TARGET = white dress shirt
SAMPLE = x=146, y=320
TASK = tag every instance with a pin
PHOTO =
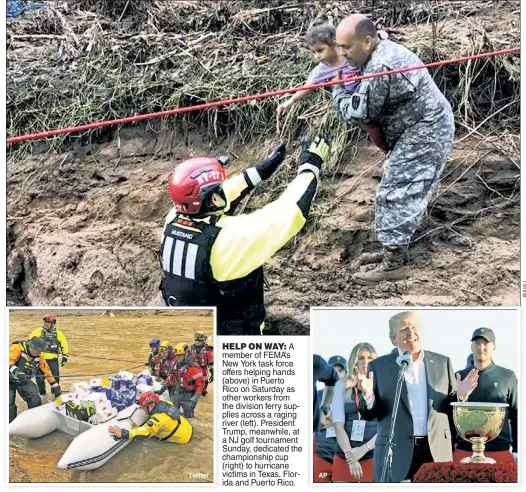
x=416, y=382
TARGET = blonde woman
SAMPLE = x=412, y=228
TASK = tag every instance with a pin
x=355, y=437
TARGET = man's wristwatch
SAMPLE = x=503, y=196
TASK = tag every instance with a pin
x=324, y=409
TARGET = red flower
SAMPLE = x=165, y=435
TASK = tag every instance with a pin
x=498, y=476
x=482, y=476
x=466, y=473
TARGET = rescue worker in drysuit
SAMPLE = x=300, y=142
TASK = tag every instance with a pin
x=203, y=354
x=209, y=256
x=185, y=383
x=24, y=359
x=163, y=361
x=154, y=351
x=167, y=369
x=164, y=422
x=56, y=343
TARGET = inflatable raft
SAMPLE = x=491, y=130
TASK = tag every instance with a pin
x=92, y=445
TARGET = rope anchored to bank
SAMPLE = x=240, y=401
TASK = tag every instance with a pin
x=102, y=358
x=237, y=100
x=31, y=376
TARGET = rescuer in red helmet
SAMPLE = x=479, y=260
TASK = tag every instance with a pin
x=209, y=256
x=164, y=422
x=56, y=344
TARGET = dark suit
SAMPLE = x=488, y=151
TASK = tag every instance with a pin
x=441, y=390
x=326, y=374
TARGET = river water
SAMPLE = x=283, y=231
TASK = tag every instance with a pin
x=123, y=339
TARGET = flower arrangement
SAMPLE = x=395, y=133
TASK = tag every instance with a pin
x=466, y=473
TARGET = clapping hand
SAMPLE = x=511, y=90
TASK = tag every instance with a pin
x=325, y=420
x=467, y=385
x=365, y=383
x=355, y=378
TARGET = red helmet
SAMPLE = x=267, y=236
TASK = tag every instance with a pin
x=193, y=180
x=49, y=318
x=147, y=398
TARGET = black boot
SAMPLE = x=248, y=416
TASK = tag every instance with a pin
x=392, y=268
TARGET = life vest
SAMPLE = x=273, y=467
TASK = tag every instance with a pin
x=151, y=360
x=199, y=355
x=164, y=407
x=78, y=412
x=183, y=377
x=51, y=339
x=188, y=279
x=26, y=362
x=182, y=430
x=163, y=366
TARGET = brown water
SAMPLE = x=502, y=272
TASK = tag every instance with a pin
x=123, y=337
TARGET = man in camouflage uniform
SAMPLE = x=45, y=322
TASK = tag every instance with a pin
x=417, y=123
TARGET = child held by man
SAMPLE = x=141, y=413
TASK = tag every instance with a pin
x=321, y=40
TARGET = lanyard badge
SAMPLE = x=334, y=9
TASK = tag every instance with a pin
x=358, y=426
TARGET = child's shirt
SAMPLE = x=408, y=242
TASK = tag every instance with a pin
x=323, y=72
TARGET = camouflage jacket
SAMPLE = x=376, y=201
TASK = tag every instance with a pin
x=397, y=102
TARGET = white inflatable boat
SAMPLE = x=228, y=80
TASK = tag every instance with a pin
x=92, y=445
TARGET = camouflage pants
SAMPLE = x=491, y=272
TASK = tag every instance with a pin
x=409, y=182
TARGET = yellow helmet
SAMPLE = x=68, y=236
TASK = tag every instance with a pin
x=165, y=344
x=184, y=346
x=179, y=349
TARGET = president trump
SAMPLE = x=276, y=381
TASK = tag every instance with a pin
x=423, y=425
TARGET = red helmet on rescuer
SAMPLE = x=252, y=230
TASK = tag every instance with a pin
x=193, y=182
x=147, y=398
x=49, y=318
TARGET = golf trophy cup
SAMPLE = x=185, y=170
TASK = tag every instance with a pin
x=479, y=423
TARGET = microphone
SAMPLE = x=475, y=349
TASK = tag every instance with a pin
x=403, y=361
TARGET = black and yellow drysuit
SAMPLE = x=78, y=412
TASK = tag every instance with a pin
x=22, y=367
x=217, y=260
x=56, y=343
x=165, y=423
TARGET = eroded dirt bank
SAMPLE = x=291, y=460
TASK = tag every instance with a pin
x=85, y=216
